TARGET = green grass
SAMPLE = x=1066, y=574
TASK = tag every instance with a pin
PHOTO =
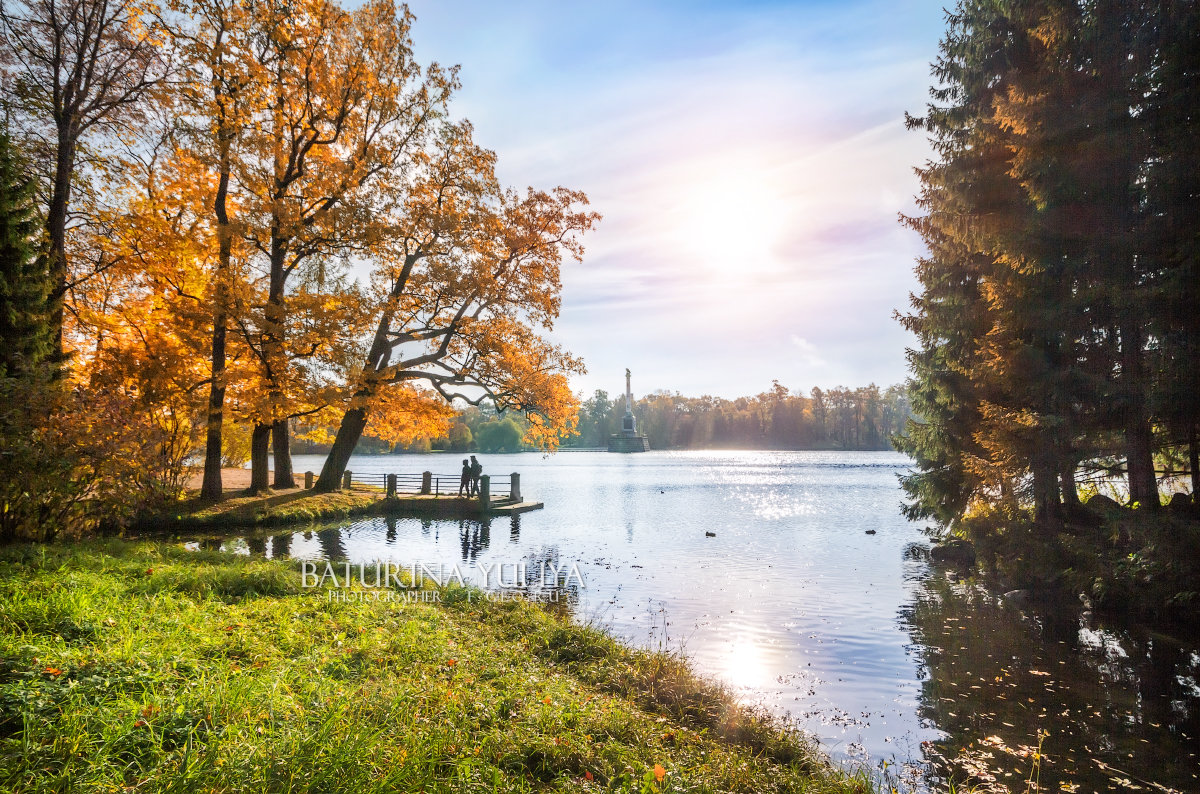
x=146, y=667
x=270, y=509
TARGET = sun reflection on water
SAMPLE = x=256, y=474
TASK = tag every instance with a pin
x=746, y=665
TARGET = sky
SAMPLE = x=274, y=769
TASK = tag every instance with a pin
x=750, y=160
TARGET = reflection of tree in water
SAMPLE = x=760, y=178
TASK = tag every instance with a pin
x=257, y=545
x=331, y=544
x=1116, y=706
x=281, y=546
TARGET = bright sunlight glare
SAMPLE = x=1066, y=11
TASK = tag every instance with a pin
x=727, y=217
x=745, y=665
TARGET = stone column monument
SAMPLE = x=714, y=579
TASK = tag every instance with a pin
x=628, y=440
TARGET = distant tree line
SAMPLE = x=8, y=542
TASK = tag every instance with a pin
x=866, y=418
x=840, y=418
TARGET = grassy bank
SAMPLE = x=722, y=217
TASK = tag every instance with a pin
x=293, y=506
x=146, y=667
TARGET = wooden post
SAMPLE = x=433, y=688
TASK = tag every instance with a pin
x=308, y=479
x=516, y=487
x=485, y=491
x=391, y=486
x=346, y=480
x=426, y=482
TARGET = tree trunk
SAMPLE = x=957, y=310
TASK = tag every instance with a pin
x=1070, y=493
x=348, y=434
x=1047, y=509
x=1143, y=486
x=211, y=489
x=260, y=445
x=281, y=447
x=355, y=420
x=56, y=234
x=275, y=355
x=1194, y=464
x=1139, y=449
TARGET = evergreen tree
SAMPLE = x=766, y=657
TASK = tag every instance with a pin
x=952, y=317
x=1174, y=195
x=1035, y=320
x=25, y=333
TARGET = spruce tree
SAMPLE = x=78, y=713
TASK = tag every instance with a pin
x=1173, y=237
x=25, y=332
x=1040, y=318
x=962, y=192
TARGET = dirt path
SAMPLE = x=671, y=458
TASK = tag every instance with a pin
x=231, y=480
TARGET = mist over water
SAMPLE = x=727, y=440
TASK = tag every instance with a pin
x=854, y=636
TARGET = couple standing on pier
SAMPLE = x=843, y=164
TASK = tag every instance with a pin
x=472, y=470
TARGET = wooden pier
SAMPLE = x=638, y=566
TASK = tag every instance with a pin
x=438, y=494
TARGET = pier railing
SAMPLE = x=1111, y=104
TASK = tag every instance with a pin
x=492, y=489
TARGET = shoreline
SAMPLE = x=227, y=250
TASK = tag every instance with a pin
x=239, y=508
x=163, y=668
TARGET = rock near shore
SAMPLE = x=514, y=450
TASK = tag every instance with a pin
x=956, y=552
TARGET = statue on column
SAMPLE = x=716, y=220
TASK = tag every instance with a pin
x=628, y=440
x=628, y=424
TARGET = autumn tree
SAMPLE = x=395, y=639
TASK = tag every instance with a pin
x=345, y=109
x=222, y=82
x=146, y=317
x=76, y=68
x=469, y=276
x=111, y=437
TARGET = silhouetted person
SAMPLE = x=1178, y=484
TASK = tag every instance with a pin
x=476, y=473
x=465, y=480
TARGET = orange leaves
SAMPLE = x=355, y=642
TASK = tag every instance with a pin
x=401, y=413
x=659, y=773
x=311, y=140
x=527, y=373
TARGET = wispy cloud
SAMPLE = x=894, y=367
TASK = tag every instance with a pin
x=807, y=352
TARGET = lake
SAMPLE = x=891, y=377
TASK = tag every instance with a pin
x=856, y=637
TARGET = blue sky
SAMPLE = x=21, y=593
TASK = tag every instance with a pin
x=749, y=158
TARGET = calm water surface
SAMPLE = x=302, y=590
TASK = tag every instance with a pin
x=854, y=636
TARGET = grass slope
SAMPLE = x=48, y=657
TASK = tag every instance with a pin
x=145, y=667
x=293, y=506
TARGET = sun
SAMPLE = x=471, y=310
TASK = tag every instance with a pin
x=729, y=218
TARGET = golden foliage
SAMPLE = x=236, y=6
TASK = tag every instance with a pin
x=401, y=413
